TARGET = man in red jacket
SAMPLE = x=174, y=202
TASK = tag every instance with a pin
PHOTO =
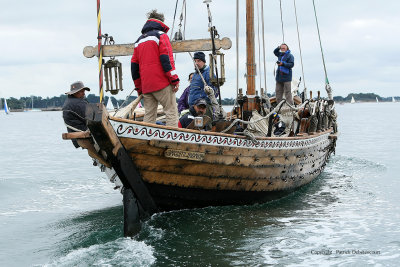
x=153, y=70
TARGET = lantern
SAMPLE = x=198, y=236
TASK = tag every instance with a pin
x=213, y=69
x=113, y=71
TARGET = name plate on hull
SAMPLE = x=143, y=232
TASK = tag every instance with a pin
x=180, y=154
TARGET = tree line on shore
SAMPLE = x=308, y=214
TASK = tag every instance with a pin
x=58, y=101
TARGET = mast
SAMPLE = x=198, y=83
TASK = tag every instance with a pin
x=251, y=67
x=249, y=102
x=100, y=51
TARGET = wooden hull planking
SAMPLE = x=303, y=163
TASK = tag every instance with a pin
x=234, y=171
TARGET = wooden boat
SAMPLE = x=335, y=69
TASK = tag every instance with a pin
x=166, y=168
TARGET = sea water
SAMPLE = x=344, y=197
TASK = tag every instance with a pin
x=57, y=209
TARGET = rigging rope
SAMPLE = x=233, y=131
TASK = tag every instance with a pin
x=259, y=44
x=173, y=22
x=237, y=50
x=301, y=56
x=126, y=99
x=265, y=62
x=184, y=22
x=214, y=33
x=320, y=44
x=283, y=33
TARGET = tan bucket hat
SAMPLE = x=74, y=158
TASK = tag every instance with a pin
x=76, y=87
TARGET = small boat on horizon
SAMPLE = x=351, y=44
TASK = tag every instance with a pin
x=110, y=105
x=352, y=100
x=6, y=110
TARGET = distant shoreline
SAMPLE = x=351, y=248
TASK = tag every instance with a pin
x=55, y=103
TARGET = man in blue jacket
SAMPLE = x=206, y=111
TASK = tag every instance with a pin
x=284, y=74
x=197, y=85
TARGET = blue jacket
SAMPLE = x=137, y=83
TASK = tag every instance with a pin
x=284, y=73
x=197, y=86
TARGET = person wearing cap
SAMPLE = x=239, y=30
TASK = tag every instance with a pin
x=153, y=70
x=283, y=75
x=197, y=84
x=198, y=109
x=74, y=109
x=279, y=126
x=183, y=102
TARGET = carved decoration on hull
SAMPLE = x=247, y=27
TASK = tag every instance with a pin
x=148, y=133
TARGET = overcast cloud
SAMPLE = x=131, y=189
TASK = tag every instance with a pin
x=42, y=42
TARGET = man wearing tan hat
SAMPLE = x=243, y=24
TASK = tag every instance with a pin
x=74, y=109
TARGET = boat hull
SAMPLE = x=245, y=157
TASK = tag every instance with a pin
x=190, y=169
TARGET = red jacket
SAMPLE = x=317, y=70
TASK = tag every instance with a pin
x=152, y=63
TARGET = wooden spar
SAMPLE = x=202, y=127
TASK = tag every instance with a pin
x=76, y=135
x=251, y=67
x=177, y=47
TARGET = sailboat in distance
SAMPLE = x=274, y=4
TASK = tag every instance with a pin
x=393, y=100
x=6, y=110
x=377, y=101
x=110, y=105
x=352, y=100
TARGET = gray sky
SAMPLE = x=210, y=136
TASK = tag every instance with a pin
x=42, y=42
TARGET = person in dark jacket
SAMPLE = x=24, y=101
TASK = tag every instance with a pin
x=197, y=85
x=74, y=109
x=183, y=102
x=284, y=74
x=153, y=70
x=279, y=126
x=198, y=109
